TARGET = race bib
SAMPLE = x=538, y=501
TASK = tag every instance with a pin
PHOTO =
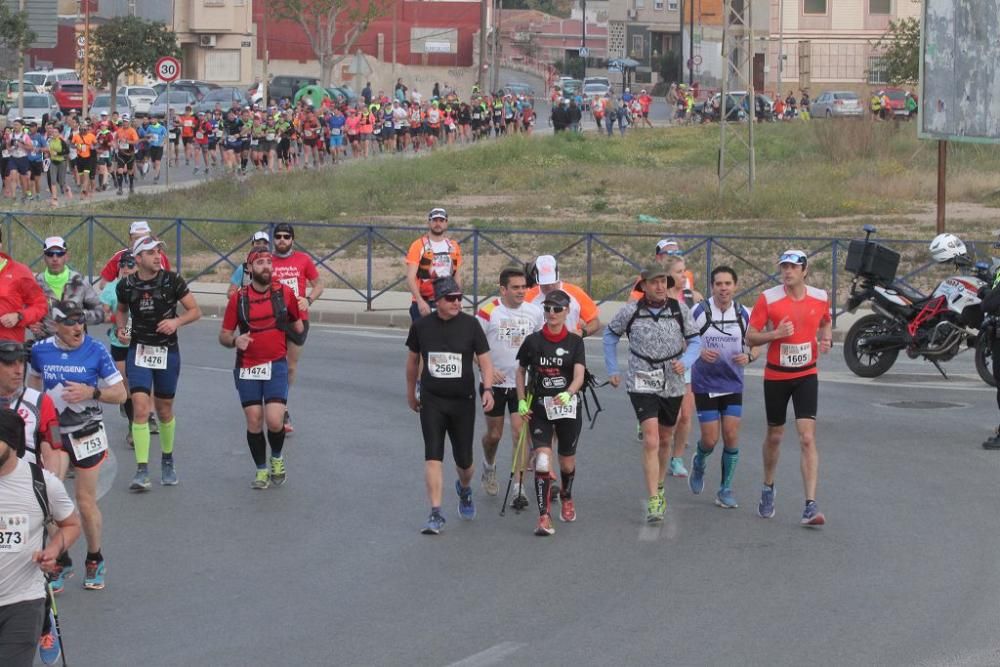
x=199, y=135
x=5, y=153
x=89, y=445
x=219, y=133
x=796, y=356
x=511, y=333
x=260, y=372
x=444, y=365
x=307, y=133
x=293, y=284
x=124, y=145
x=269, y=136
x=441, y=263
x=254, y=142
x=151, y=356
x=335, y=131
x=555, y=411
x=377, y=131
x=649, y=380
x=72, y=154
x=14, y=531
x=104, y=155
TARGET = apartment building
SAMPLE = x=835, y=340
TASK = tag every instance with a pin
x=644, y=30
x=217, y=39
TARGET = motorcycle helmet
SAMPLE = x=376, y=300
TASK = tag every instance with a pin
x=946, y=247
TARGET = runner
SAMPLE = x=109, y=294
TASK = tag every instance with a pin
x=583, y=317
x=119, y=346
x=663, y=342
x=22, y=302
x=295, y=269
x=78, y=374
x=676, y=267
x=126, y=140
x=433, y=255
x=259, y=241
x=150, y=296
x=788, y=318
x=552, y=368
x=506, y=320
x=137, y=230
x=60, y=283
x=156, y=136
x=445, y=346
x=717, y=380
x=255, y=323
x=24, y=565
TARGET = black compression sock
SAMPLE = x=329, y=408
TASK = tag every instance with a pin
x=277, y=441
x=97, y=557
x=542, y=483
x=567, y=484
x=128, y=409
x=258, y=448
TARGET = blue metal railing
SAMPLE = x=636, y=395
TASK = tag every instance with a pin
x=612, y=259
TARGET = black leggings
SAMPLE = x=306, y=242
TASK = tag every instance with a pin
x=455, y=417
x=995, y=349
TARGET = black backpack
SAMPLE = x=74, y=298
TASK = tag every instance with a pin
x=279, y=307
x=739, y=319
x=672, y=309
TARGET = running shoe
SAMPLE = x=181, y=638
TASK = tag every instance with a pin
x=520, y=501
x=154, y=426
x=489, y=480
x=168, y=475
x=262, y=480
x=811, y=516
x=544, y=527
x=58, y=579
x=567, y=510
x=696, y=482
x=725, y=499
x=289, y=429
x=993, y=442
x=94, y=581
x=677, y=468
x=765, y=508
x=434, y=525
x=278, y=474
x=466, y=507
x=654, y=509
x=49, y=648
x=141, y=481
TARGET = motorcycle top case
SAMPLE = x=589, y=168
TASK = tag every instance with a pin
x=872, y=259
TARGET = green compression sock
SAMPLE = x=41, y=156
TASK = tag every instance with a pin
x=730, y=457
x=140, y=437
x=167, y=430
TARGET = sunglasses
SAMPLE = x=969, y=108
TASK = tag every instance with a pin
x=452, y=298
x=73, y=321
x=792, y=258
x=283, y=236
x=126, y=265
x=55, y=253
x=11, y=347
x=554, y=309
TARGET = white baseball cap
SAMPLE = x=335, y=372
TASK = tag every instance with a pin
x=54, y=242
x=260, y=236
x=548, y=270
x=139, y=227
x=145, y=243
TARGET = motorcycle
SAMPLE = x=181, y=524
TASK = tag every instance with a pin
x=935, y=327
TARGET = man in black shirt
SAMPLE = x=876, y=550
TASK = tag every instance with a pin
x=447, y=341
x=150, y=296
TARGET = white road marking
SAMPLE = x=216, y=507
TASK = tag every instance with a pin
x=107, y=474
x=210, y=368
x=491, y=656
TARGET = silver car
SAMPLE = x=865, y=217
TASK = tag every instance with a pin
x=140, y=97
x=102, y=105
x=837, y=104
x=179, y=101
x=38, y=107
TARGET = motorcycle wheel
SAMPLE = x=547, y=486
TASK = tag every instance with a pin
x=984, y=360
x=861, y=362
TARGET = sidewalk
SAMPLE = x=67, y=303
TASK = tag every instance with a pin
x=392, y=309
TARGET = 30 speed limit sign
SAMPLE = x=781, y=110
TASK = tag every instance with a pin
x=168, y=69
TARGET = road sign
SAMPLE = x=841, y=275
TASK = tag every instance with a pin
x=81, y=40
x=584, y=52
x=80, y=53
x=168, y=69
x=697, y=60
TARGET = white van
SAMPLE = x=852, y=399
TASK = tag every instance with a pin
x=45, y=78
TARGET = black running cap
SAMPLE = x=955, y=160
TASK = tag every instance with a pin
x=284, y=228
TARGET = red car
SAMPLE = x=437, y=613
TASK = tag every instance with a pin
x=897, y=101
x=69, y=95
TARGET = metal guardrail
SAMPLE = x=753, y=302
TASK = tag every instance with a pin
x=368, y=259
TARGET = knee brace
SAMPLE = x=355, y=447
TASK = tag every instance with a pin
x=542, y=462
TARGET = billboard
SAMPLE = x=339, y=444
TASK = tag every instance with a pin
x=960, y=70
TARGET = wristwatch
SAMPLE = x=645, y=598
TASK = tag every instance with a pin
x=97, y=393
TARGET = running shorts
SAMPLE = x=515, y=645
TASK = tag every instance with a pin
x=255, y=392
x=454, y=417
x=648, y=406
x=567, y=431
x=803, y=392
x=712, y=408
x=504, y=400
x=162, y=383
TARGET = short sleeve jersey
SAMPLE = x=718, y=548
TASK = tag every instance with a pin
x=150, y=302
x=582, y=308
x=447, y=348
x=724, y=335
x=269, y=342
x=795, y=356
x=506, y=328
x=90, y=364
x=295, y=271
x=551, y=360
x=110, y=270
x=20, y=578
x=433, y=259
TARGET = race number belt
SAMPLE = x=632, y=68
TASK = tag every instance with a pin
x=151, y=356
x=259, y=372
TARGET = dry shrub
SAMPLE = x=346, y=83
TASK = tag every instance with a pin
x=844, y=140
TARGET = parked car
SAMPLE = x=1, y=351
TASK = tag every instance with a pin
x=520, y=90
x=140, y=98
x=11, y=90
x=593, y=90
x=38, y=108
x=179, y=101
x=47, y=78
x=195, y=91
x=837, y=104
x=102, y=103
x=282, y=87
x=69, y=95
x=570, y=87
x=224, y=97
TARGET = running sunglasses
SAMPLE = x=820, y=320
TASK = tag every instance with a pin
x=9, y=347
x=73, y=321
x=282, y=236
x=452, y=298
x=554, y=309
x=55, y=253
x=792, y=258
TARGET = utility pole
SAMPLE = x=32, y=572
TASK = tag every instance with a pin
x=583, y=31
x=267, y=57
x=737, y=159
x=86, y=59
x=691, y=45
x=484, y=14
x=781, y=43
x=20, y=75
x=495, y=79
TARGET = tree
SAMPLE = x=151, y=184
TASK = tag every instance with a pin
x=129, y=44
x=16, y=36
x=320, y=21
x=900, y=46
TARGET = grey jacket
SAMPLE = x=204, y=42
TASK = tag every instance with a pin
x=77, y=290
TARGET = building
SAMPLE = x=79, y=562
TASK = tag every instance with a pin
x=217, y=40
x=647, y=31
x=532, y=34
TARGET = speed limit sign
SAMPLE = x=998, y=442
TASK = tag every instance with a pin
x=168, y=69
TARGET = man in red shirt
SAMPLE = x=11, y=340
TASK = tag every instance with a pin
x=645, y=101
x=136, y=231
x=22, y=302
x=256, y=320
x=296, y=270
x=793, y=320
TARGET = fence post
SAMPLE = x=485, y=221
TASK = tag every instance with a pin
x=833, y=284
x=708, y=266
x=180, y=223
x=371, y=232
x=590, y=262
x=8, y=232
x=475, y=269
x=90, y=249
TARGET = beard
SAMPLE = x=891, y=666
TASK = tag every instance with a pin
x=262, y=278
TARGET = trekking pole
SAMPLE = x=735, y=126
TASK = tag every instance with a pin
x=514, y=464
x=55, y=617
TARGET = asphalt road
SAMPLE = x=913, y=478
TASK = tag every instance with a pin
x=331, y=569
